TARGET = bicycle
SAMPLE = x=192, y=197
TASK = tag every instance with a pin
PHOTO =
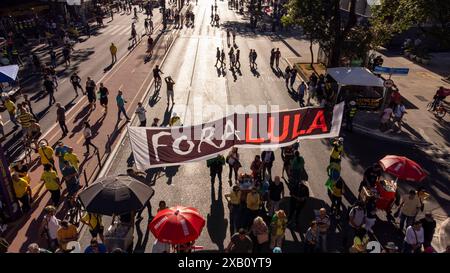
x=75, y=212
x=439, y=110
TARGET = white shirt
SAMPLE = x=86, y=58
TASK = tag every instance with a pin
x=52, y=225
x=140, y=111
x=413, y=236
x=386, y=114
x=399, y=110
x=87, y=133
x=159, y=247
x=358, y=216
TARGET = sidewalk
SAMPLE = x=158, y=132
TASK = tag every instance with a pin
x=105, y=128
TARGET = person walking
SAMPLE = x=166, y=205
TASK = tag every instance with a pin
x=140, y=111
x=27, y=103
x=87, y=133
x=233, y=33
x=113, y=51
x=323, y=223
x=11, y=108
x=299, y=194
x=293, y=76
x=215, y=166
x=222, y=59
x=61, y=119
x=75, y=80
x=22, y=191
x=90, y=92
x=232, y=58
x=238, y=53
x=301, y=94
x=25, y=119
x=277, y=58
x=399, y=112
x=217, y=56
x=228, y=37
x=66, y=54
x=233, y=163
x=267, y=157
x=121, y=106
x=53, y=59
x=311, y=238
x=234, y=204
x=72, y=158
x=278, y=226
x=170, y=93
x=414, y=238
x=253, y=202
x=272, y=57
x=287, y=75
x=311, y=93
x=260, y=233
x=429, y=227
x=49, y=227
x=103, y=94
x=52, y=183
x=276, y=193
x=146, y=26
x=250, y=58
x=94, y=222
x=50, y=88
x=409, y=208
x=254, y=56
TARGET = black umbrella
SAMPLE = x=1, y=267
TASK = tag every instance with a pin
x=115, y=195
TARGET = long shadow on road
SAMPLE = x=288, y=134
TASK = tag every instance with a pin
x=216, y=222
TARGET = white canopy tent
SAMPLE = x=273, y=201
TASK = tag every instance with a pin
x=354, y=76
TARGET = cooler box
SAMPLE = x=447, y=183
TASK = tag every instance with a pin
x=386, y=190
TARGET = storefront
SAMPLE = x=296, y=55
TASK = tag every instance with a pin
x=360, y=85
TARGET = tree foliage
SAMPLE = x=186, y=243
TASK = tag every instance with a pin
x=395, y=16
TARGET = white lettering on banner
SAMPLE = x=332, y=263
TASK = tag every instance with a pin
x=230, y=130
x=155, y=143
x=176, y=146
x=208, y=139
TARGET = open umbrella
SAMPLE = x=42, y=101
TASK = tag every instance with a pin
x=403, y=168
x=177, y=225
x=8, y=73
x=115, y=195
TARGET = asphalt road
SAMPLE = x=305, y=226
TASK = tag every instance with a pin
x=202, y=93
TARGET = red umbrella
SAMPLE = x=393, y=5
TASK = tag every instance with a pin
x=403, y=168
x=177, y=225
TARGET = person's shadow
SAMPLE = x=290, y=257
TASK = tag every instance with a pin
x=154, y=98
x=255, y=72
x=167, y=116
x=171, y=171
x=216, y=222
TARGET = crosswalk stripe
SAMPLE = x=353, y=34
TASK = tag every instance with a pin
x=115, y=30
x=127, y=30
x=111, y=29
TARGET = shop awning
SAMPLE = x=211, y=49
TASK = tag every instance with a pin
x=359, y=76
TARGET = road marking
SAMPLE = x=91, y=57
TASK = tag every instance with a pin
x=132, y=71
x=120, y=87
x=112, y=29
x=80, y=139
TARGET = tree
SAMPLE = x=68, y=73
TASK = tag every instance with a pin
x=309, y=15
x=432, y=17
x=321, y=21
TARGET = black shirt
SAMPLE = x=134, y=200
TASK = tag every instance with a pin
x=299, y=190
x=48, y=84
x=103, y=92
x=275, y=191
x=428, y=227
x=75, y=79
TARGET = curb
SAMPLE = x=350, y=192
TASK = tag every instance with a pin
x=374, y=134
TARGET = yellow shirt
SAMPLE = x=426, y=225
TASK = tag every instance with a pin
x=93, y=219
x=113, y=49
x=235, y=197
x=20, y=187
x=73, y=159
x=253, y=201
x=336, y=153
x=45, y=153
x=10, y=106
x=65, y=234
x=51, y=180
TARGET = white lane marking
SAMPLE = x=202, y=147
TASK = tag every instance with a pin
x=111, y=29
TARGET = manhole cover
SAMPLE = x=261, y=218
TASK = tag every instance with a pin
x=421, y=98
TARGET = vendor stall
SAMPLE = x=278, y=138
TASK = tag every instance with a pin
x=358, y=84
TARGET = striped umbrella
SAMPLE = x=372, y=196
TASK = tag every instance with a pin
x=177, y=225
